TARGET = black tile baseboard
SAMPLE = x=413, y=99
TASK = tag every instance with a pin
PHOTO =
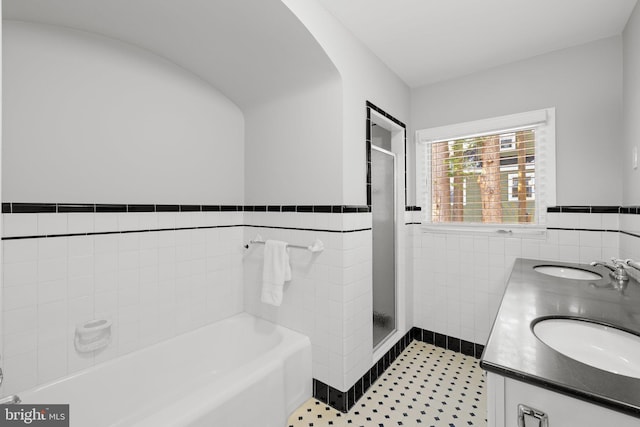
x=343, y=401
x=458, y=345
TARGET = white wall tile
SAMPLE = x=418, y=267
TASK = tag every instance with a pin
x=52, y=291
x=590, y=221
x=20, y=320
x=589, y=254
x=51, y=284
x=610, y=221
x=82, y=286
x=22, y=250
x=105, y=222
x=568, y=220
x=568, y=237
x=52, y=248
x=591, y=239
x=52, y=269
x=20, y=225
x=52, y=362
x=15, y=297
x=52, y=223
x=80, y=223
x=19, y=343
x=20, y=372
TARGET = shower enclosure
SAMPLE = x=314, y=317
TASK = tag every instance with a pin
x=383, y=208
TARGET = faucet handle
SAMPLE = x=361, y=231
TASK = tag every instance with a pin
x=632, y=263
x=618, y=263
x=620, y=272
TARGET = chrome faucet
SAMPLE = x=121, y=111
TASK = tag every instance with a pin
x=617, y=267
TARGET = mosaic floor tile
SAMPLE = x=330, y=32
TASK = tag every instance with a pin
x=425, y=386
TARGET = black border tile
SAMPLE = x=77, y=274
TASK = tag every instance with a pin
x=575, y=209
x=467, y=348
x=111, y=208
x=416, y=334
x=479, y=350
x=141, y=208
x=274, y=208
x=167, y=208
x=76, y=207
x=453, y=344
x=605, y=209
x=211, y=208
x=337, y=399
x=6, y=207
x=190, y=208
x=33, y=208
x=320, y=391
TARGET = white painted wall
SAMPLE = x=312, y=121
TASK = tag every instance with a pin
x=293, y=148
x=364, y=77
x=584, y=83
x=89, y=119
x=631, y=100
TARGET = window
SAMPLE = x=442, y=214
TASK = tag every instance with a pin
x=528, y=189
x=508, y=141
x=495, y=171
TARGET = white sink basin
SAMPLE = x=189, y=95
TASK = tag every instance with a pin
x=567, y=272
x=597, y=345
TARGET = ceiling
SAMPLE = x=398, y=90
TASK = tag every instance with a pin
x=426, y=41
x=228, y=43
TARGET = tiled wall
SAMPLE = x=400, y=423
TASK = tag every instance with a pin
x=329, y=296
x=156, y=271
x=153, y=274
x=459, y=278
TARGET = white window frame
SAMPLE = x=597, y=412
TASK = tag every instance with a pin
x=544, y=123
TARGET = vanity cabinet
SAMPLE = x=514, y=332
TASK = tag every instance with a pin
x=504, y=395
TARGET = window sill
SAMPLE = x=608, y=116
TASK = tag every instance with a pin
x=503, y=230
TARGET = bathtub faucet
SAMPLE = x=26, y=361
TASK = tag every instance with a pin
x=14, y=399
x=9, y=400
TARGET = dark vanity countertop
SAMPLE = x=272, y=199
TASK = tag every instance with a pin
x=515, y=352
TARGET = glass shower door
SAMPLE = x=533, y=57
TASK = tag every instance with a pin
x=384, y=257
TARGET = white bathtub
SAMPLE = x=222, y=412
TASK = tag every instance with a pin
x=241, y=371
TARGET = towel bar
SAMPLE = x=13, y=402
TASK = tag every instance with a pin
x=317, y=246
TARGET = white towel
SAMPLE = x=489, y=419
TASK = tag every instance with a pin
x=275, y=272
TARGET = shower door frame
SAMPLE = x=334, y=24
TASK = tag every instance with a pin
x=404, y=309
x=393, y=331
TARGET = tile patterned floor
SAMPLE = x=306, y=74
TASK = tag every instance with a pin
x=425, y=386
